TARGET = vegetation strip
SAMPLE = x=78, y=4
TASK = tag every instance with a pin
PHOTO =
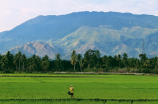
x=92, y=62
x=79, y=99
x=58, y=76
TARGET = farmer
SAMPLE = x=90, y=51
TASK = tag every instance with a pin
x=71, y=91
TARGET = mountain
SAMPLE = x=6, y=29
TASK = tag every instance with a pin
x=37, y=48
x=110, y=32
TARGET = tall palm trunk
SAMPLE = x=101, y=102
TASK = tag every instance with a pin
x=16, y=67
x=74, y=67
x=19, y=65
x=23, y=66
x=80, y=66
x=119, y=65
x=30, y=68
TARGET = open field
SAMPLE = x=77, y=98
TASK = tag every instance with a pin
x=96, y=89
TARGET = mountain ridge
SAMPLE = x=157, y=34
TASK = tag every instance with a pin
x=104, y=31
x=38, y=48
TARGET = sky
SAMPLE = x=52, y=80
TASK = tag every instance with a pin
x=15, y=12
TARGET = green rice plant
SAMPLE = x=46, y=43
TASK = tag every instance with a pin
x=73, y=102
x=50, y=102
x=145, y=102
x=118, y=102
x=127, y=87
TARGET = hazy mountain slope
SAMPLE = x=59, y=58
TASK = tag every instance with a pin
x=110, y=32
x=55, y=27
x=108, y=41
x=38, y=48
x=151, y=44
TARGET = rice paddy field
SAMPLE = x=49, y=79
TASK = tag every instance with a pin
x=88, y=89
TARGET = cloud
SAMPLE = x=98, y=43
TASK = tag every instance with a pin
x=15, y=12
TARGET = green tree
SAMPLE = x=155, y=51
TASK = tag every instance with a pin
x=147, y=64
x=19, y=58
x=87, y=58
x=32, y=63
x=91, y=57
x=24, y=61
x=155, y=63
x=38, y=63
x=0, y=61
x=73, y=58
x=4, y=63
x=104, y=59
x=109, y=61
x=119, y=59
x=17, y=61
x=95, y=56
x=9, y=59
x=143, y=58
x=125, y=59
x=45, y=63
x=82, y=64
x=79, y=57
x=58, y=61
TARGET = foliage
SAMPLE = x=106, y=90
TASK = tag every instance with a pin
x=92, y=61
x=73, y=58
x=58, y=62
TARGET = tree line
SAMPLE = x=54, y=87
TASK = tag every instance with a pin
x=91, y=61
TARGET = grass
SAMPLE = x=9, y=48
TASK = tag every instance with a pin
x=73, y=102
x=34, y=89
x=51, y=102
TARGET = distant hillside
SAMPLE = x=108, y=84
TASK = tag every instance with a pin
x=37, y=48
x=110, y=32
x=108, y=41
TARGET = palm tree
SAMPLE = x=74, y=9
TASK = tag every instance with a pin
x=16, y=61
x=58, y=61
x=73, y=52
x=45, y=63
x=94, y=59
x=79, y=57
x=156, y=64
x=105, y=60
x=4, y=63
x=73, y=58
x=33, y=65
x=119, y=59
x=97, y=53
x=109, y=61
x=125, y=59
x=24, y=61
x=137, y=63
x=148, y=65
x=142, y=57
x=0, y=61
x=81, y=64
x=9, y=58
x=30, y=64
x=87, y=58
x=19, y=58
x=38, y=63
